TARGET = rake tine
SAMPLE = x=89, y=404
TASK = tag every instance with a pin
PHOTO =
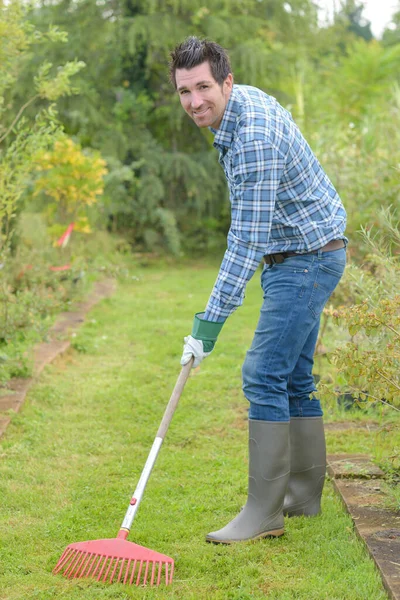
x=89, y=573
x=115, y=568
x=88, y=565
x=82, y=565
x=78, y=566
x=127, y=571
x=172, y=573
x=97, y=565
x=102, y=567
x=72, y=558
x=121, y=570
x=63, y=560
x=70, y=569
x=108, y=568
x=153, y=572
x=133, y=572
x=139, y=573
x=146, y=572
x=159, y=573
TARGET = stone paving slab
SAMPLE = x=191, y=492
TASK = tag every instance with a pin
x=14, y=396
x=378, y=527
x=346, y=466
x=348, y=425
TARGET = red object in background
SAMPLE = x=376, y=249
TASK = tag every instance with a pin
x=62, y=242
x=23, y=271
x=63, y=268
x=64, y=239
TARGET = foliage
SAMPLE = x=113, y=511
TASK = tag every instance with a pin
x=34, y=293
x=130, y=113
x=369, y=364
x=72, y=179
x=330, y=77
x=21, y=139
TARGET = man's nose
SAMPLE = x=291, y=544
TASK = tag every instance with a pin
x=196, y=100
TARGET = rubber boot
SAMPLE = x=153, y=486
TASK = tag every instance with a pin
x=307, y=467
x=269, y=470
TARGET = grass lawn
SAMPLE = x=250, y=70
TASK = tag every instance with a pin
x=71, y=460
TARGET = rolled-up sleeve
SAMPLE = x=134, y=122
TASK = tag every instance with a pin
x=254, y=176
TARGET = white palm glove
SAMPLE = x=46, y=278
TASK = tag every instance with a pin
x=202, y=340
x=193, y=347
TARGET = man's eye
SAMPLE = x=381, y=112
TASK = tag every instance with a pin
x=183, y=92
x=203, y=87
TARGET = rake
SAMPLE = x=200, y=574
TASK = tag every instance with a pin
x=115, y=559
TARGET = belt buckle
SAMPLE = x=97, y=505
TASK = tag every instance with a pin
x=272, y=259
x=279, y=258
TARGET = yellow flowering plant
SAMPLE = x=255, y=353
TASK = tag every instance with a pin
x=73, y=179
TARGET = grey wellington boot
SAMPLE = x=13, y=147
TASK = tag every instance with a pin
x=269, y=470
x=307, y=467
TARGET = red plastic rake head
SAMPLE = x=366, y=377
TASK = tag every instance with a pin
x=115, y=560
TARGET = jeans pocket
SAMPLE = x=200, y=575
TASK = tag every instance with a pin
x=326, y=280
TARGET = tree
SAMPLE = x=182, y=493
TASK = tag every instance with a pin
x=21, y=138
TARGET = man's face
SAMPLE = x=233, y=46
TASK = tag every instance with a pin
x=201, y=96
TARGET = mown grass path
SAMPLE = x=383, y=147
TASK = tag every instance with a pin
x=70, y=460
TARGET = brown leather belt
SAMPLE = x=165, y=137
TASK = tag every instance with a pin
x=279, y=257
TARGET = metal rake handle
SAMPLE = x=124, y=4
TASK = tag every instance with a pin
x=151, y=459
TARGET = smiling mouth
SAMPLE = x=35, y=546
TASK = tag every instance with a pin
x=200, y=113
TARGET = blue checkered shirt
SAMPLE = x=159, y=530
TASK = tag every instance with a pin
x=281, y=199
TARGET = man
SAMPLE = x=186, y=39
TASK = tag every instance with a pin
x=285, y=211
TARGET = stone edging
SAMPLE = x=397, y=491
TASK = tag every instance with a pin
x=356, y=479
x=46, y=352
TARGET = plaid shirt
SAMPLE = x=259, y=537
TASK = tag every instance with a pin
x=281, y=199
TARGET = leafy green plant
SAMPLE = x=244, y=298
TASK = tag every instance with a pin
x=21, y=139
x=369, y=364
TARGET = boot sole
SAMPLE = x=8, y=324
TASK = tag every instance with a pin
x=300, y=513
x=274, y=533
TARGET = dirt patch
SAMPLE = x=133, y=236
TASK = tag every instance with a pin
x=346, y=425
x=13, y=397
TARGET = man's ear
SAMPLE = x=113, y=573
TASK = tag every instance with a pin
x=228, y=83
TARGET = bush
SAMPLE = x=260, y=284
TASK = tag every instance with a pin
x=369, y=363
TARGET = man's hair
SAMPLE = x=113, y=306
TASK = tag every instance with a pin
x=193, y=52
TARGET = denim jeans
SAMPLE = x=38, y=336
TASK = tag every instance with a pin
x=277, y=372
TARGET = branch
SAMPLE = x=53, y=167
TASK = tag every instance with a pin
x=390, y=381
x=375, y=398
x=388, y=326
x=21, y=110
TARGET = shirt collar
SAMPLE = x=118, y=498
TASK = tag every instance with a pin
x=224, y=134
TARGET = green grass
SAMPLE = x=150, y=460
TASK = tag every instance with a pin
x=71, y=460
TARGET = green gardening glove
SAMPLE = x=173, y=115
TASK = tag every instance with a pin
x=202, y=340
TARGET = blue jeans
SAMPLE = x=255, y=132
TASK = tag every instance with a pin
x=277, y=372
